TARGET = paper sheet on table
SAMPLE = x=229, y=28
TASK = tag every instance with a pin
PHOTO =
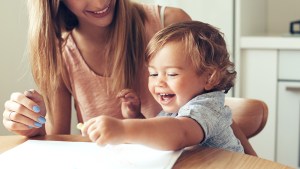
x=36, y=154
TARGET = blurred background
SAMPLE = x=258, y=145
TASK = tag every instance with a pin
x=15, y=73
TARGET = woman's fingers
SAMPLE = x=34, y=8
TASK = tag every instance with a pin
x=22, y=113
x=22, y=110
x=15, y=120
x=34, y=96
x=24, y=101
x=14, y=126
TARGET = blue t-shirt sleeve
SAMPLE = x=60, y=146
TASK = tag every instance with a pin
x=210, y=113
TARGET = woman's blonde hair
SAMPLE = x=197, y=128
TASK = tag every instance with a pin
x=49, y=19
x=204, y=46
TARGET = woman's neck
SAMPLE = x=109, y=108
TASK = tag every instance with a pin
x=92, y=34
x=91, y=43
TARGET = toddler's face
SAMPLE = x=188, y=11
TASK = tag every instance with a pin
x=172, y=79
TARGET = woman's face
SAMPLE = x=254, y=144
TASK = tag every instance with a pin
x=92, y=12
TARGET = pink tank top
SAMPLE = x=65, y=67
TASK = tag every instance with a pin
x=90, y=97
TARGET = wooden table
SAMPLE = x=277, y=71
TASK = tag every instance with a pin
x=193, y=158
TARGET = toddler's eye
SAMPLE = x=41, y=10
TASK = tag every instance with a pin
x=172, y=74
x=153, y=74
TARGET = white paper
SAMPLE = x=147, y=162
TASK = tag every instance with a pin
x=36, y=154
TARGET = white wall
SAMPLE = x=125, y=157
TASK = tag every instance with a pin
x=267, y=17
x=280, y=14
x=15, y=74
x=216, y=12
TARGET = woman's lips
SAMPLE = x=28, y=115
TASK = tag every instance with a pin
x=100, y=13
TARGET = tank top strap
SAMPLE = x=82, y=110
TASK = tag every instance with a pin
x=162, y=15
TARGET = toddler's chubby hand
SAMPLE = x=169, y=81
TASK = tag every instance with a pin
x=131, y=104
x=104, y=130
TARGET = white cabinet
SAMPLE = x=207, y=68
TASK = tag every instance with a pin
x=289, y=65
x=258, y=79
x=270, y=71
x=287, y=147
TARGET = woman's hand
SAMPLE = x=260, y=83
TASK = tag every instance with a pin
x=131, y=104
x=104, y=130
x=25, y=113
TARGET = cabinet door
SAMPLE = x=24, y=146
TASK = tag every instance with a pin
x=289, y=68
x=288, y=149
x=258, y=80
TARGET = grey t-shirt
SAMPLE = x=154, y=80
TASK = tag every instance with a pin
x=209, y=111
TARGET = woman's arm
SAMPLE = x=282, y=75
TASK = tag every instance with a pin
x=60, y=122
x=173, y=15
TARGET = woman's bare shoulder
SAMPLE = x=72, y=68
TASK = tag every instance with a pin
x=174, y=15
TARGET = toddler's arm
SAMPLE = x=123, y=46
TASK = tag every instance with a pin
x=165, y=133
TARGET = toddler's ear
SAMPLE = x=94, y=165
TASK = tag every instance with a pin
x=212, y=80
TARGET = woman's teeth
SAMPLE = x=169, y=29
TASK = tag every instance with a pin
x=102, y=11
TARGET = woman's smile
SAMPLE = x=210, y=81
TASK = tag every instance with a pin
x=100, y=13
